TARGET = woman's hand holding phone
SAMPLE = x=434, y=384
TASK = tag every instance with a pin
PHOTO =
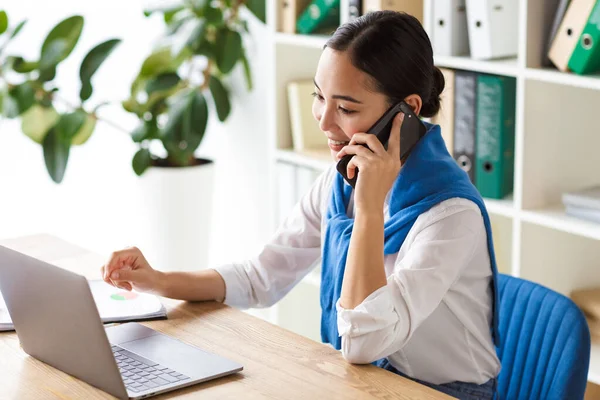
x=378, y=167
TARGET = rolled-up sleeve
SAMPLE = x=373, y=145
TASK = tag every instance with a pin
x=384, y=322
x=288, y=256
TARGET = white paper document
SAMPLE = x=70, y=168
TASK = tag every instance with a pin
x=114, y=305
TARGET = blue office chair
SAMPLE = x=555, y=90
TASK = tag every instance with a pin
x=545, y=343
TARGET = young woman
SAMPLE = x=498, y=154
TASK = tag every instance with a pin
x=408, y=266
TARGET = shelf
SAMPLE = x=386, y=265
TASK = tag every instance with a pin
x=506, y=67
x=310, y=41
x=563, y=78
x=556, y=218
x=316, y=159
x=594, y=371
x=504, y=207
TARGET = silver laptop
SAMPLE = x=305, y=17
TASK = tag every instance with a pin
x=57, y=322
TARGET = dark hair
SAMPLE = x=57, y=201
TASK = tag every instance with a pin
x=394, y=49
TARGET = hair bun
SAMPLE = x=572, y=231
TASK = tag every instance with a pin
x=432, y=106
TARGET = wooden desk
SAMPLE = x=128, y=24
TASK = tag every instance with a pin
x=278, y=364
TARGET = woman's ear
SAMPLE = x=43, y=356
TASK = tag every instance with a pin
x=415, y=102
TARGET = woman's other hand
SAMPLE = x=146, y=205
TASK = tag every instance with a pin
x=128, y=269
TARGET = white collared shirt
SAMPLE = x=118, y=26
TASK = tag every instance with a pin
x=432, y=319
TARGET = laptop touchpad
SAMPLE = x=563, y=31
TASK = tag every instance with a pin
x=179, y=356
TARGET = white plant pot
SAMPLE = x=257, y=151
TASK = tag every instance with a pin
x=177, y=206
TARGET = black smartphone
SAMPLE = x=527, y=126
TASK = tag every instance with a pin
x=411, y=132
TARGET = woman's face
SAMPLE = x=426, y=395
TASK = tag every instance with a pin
x=343, y=104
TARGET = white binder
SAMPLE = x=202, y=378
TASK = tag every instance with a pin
x=450, y=35
x=493, y=28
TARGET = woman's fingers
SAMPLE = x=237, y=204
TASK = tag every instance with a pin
x=355, y=149
x=356, y=162
x=370, y=140
x=119, y=259
x=394, y=142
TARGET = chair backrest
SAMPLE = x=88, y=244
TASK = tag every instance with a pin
x=545, y=343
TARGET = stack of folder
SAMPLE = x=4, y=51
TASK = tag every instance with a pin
x=477, y=120
x=583, y=203
x=479, y=29
x=575, y=36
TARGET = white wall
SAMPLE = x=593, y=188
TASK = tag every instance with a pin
x=96, y=204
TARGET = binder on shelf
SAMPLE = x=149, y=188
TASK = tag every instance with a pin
x=465, y=118
x=412, y=7
x=569, y=32
x=450, y=36
x=306, y=134
x=495, y=135
x=320, y=16
x=559, y=14
x=491, y=28
x=354, y=9
x=586, y=55
x=290, y=12
x=445, y=117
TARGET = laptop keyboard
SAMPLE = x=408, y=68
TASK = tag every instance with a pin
x=140, y=374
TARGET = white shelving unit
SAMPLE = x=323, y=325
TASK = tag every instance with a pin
x=557, y=149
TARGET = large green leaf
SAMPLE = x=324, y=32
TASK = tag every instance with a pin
x=158, y=62
x=50, y=59
x=141, y=161
x=258, y=8
x=69, y=31
x=86, y=130
x=229, y=49
x=24, y=96
x=185, y=127
x=56, y=154
x=220, y=97
x=70, y=123
x=198, y=6
x=90, y=64
x=146, y=130
x=3, y=21
x=18, y=28
x=213, y=16
x=1, y=102
x=162, y=82
x=37, y=121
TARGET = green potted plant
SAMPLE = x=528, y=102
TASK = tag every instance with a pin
x=28, y=90
x=177, y=87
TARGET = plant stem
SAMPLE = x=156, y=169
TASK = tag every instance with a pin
x=111, y=123
x=106, y=121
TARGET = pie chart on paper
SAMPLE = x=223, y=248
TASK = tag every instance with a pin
x=120, y=296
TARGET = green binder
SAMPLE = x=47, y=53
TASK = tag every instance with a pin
x=495, y=135
x=319, y=15
x=585, y=59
